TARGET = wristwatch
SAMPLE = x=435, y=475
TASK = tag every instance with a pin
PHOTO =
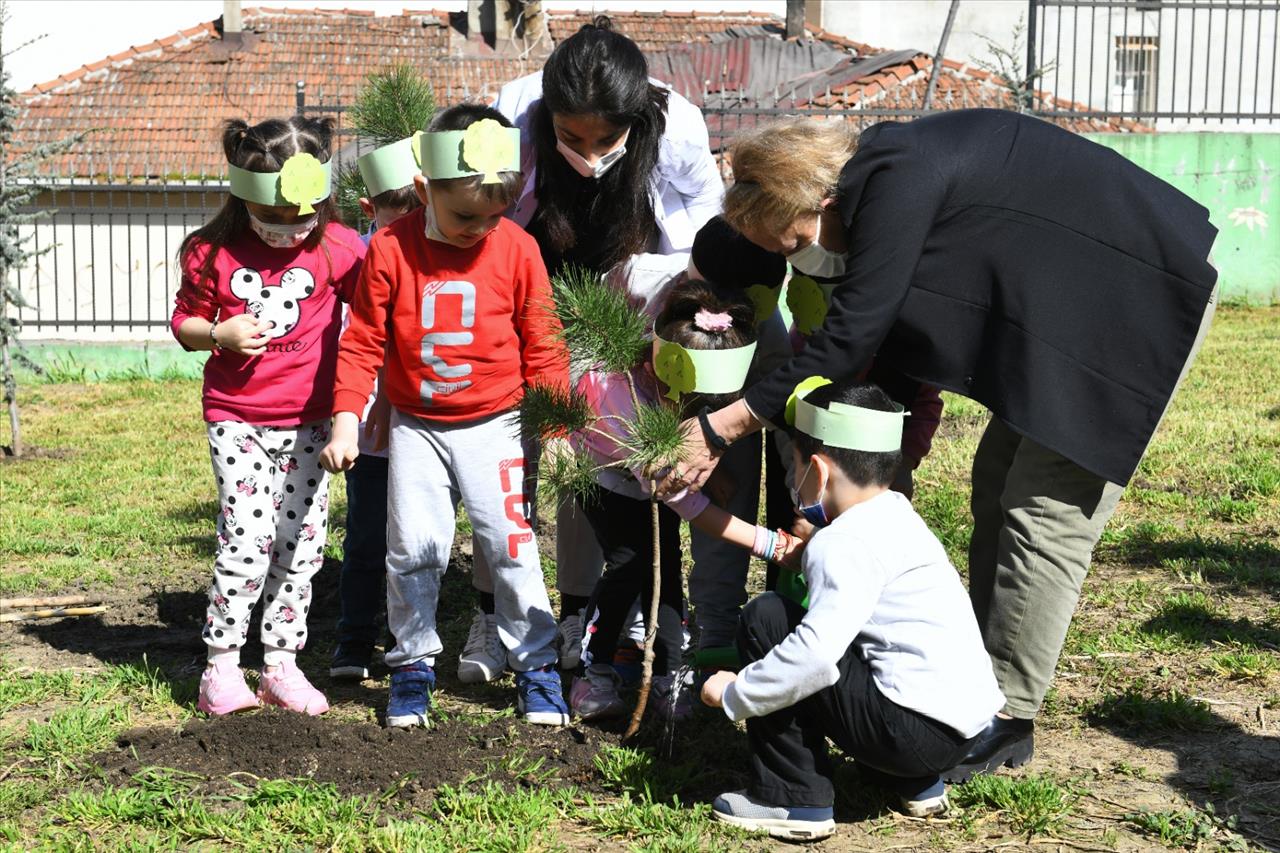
x=708, y=432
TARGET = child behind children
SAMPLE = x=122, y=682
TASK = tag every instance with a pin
x=260, y=287
x=715, y=330
x=475, y=283
x=887, y=662
x=388, y=174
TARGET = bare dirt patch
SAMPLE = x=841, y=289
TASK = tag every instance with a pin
x=358, y=758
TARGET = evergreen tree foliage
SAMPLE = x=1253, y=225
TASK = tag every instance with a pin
x=20, y=186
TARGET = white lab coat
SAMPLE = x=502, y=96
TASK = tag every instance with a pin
x=686, y=189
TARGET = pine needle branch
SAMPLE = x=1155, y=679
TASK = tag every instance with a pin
x=349, y=191
x=602, y=330
x=393, y=104
x=656, y=438
x=565, y=471
x=549, y=412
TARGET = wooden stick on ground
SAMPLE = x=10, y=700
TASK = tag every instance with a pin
x=51, y=613
x=51, y=601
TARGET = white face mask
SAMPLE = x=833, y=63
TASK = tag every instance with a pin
x=604, y=164
x=817, y=261
x=432, y=227
x=283, y=236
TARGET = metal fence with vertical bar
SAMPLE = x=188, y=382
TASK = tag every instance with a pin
x=1177, y=64
x=110, y=271
x=107, y=267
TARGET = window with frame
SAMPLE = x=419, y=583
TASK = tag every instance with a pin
x=1136, y=67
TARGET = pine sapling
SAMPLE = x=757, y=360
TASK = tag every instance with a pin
x=604, y=332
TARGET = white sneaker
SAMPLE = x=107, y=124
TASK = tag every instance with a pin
x=483, y=658
x=569, y=641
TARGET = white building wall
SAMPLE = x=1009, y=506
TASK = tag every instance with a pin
x=108, y=266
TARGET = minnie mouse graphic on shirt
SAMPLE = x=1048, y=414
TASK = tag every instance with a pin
x=277, y=305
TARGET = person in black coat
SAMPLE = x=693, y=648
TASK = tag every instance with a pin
x=1000, y=257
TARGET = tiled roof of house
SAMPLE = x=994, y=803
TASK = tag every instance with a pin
x=155, y=109
x=731, y=78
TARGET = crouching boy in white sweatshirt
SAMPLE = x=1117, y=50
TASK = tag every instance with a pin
x=887, y=661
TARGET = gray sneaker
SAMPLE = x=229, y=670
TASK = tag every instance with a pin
x=793, y=823
x=569, y=641
x=483, y=658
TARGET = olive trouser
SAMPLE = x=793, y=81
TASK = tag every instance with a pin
x=1036, y=519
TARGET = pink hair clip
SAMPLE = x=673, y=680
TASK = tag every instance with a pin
x=709, y=321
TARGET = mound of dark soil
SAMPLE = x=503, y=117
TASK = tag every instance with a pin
x=359, y=758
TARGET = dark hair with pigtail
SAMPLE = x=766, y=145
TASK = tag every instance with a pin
x=597, y=71
x=262, y=148
x=679, y=323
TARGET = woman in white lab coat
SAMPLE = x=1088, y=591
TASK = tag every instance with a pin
x=618, y=175
x=616, y=163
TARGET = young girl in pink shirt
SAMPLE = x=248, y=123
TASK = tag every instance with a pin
x=261, y=285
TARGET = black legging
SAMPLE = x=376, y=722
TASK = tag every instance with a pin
x=624, y=529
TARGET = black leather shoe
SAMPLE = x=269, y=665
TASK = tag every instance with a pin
x=1003, y=743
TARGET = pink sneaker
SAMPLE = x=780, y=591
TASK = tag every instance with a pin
x=223, y=691
x=289, y=688
x=594, y=695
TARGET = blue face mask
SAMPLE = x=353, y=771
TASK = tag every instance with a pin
x=814, y=513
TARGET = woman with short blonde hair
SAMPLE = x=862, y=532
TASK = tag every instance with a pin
x=785, y=170
x=1000, y=257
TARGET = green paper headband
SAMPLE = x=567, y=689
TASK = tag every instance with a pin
x=391, y=167
x=850, y=427
x=707, y=371
x=485, y=148
x=303, y=181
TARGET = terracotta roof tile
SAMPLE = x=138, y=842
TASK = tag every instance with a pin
x=156, y=108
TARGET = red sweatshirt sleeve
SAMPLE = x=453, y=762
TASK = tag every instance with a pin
x=543, y=356
x=926, y=415
x=362, y=348
x=195, y=298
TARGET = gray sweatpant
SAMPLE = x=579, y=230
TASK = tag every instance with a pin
x=432, y=467
x=1036, y=519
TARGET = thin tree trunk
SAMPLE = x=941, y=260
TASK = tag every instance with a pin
x=14, y=432
x=651, y=632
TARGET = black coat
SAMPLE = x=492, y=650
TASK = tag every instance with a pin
x=1003, y=258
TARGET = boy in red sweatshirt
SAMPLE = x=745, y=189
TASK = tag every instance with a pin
x=457, y=298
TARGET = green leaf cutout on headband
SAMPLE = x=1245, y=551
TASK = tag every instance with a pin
x=764, y=299
x=488, y=148
x=807, y=302
x=805, y=386
x=303, y=180
x=674, y=366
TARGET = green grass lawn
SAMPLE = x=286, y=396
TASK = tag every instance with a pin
x=1161, y=730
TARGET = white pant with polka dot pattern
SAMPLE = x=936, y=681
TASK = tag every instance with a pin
x=273, y=500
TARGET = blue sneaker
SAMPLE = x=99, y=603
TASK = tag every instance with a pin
x=792, y=823
x=541, y=698
x=410, y=700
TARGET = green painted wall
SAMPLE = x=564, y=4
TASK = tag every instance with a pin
x=1235, y=175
